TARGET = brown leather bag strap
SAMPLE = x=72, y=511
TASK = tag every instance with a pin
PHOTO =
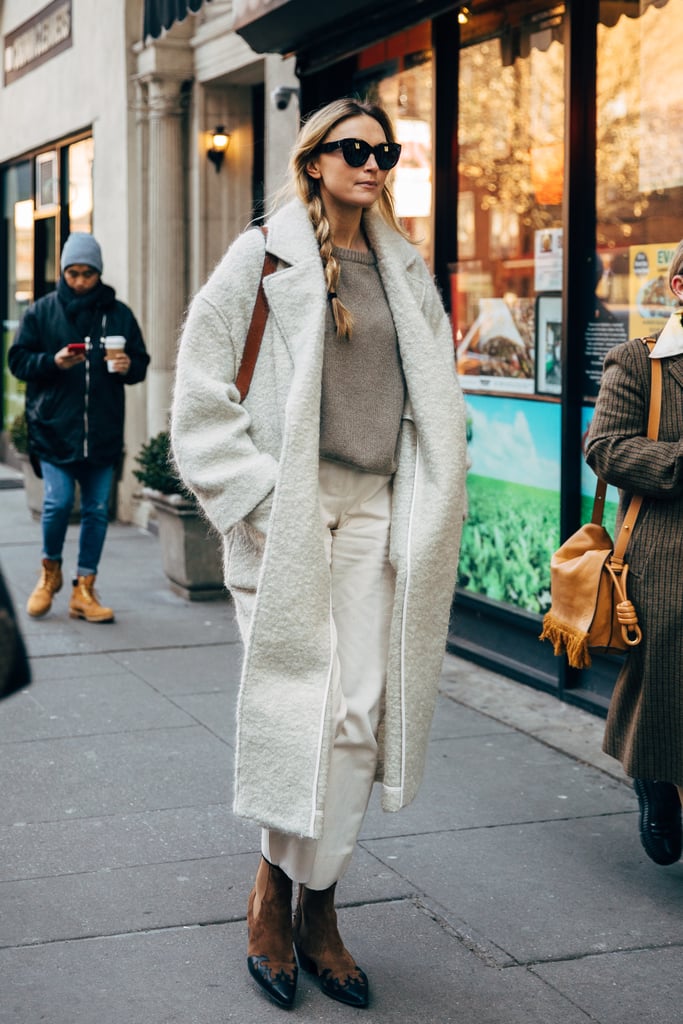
x=653, y=417
x=599, y=502
x=256, y=328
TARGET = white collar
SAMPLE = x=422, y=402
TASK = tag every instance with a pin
x=670, y=341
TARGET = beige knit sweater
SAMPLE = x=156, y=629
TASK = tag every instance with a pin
x=363, y=390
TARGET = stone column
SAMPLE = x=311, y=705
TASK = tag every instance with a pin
x=166, y=245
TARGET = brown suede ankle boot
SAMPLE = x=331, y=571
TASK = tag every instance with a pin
x=84, y=603
x=270, y=956
x=320, y=950
x=50, y=583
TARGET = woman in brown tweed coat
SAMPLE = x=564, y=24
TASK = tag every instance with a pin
x=645, y=721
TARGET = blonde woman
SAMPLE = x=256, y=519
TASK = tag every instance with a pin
x=339, y=487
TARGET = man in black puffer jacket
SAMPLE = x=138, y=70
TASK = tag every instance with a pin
x=75, y=413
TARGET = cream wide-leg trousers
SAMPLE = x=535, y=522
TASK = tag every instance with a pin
x=356, y=513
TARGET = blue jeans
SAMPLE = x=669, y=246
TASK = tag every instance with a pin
x=59, y=491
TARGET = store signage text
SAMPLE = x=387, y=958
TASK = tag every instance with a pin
x=41, y=37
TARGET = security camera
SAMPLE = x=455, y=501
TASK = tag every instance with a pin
x=282, y=95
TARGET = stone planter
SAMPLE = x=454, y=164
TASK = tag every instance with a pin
x=191, y=553
x=33, y=487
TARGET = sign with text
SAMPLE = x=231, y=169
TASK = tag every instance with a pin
x=650, y=298
x=41, y=37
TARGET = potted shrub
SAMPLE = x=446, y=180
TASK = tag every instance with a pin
x=191, y=551
x=33, y=485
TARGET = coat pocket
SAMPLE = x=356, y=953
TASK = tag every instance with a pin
x=243, y=554
x=259, y=518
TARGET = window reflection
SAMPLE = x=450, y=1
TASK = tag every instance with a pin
x=404, y=88
x=80, y=161
x=511, y=177
x=639, y=173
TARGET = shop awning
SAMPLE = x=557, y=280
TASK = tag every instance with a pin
x=288, y=26
x=161, y=14
x=292, y=26
x=612, y=10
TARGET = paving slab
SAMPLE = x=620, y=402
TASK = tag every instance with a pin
x=80, y=845
x=545, y=890
x=535, y=713
x=622, y=988
x=215, y=711
x=87, y=705
x=198, y=976
x=152, y=769
x=160, y=894
x=452, y=720
x=201, y=668
x=157, y=630
x=483, y=780
x=69, y=666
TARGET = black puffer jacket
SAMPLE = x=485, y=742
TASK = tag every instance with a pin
x=78, y=413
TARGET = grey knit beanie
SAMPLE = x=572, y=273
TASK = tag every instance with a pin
x=80, y=247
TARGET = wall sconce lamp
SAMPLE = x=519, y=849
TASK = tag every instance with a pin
x=220, y=141
x=464, y=15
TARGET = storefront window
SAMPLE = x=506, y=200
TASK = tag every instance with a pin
x=639, y=195
x=506, y=304
x=639, y=188
x=403, y=86
x=79, y=164
x=19, y=285
x=511, y=143
x=33, y=213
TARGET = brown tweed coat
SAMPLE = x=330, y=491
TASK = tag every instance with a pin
x=645, y=720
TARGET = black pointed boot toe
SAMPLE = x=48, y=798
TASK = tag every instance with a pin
x=270, y=954
x=320, y=950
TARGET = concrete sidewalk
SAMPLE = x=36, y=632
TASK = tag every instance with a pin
x=513, y=890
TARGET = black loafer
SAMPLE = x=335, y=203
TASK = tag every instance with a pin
x=660, y=820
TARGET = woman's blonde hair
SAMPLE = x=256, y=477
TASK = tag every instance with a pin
x=312, y=134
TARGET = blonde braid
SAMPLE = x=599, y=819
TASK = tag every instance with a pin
x=342, y=317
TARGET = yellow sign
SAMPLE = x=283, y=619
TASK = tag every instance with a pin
x=651, y=301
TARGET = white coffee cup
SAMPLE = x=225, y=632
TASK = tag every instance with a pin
x=113, y=344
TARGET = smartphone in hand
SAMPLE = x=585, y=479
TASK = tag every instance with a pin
x=76, y=346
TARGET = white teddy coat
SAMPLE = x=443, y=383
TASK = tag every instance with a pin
x=254, y=470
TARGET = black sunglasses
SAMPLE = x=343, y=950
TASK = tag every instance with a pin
x=357, y=152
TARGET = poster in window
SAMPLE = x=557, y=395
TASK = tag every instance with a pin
x=548, y=260
x=497, y=351
x=549, y=344
x=513, y=488
x=651, y=301
x=47, y=182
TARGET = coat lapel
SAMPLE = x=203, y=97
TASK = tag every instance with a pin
x=296, y=291
x=675, y=369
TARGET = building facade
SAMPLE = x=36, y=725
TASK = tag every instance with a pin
x=541, y=178
x=108, y=129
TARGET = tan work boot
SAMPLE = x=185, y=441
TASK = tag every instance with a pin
x=50, y=583
x=84, y=603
